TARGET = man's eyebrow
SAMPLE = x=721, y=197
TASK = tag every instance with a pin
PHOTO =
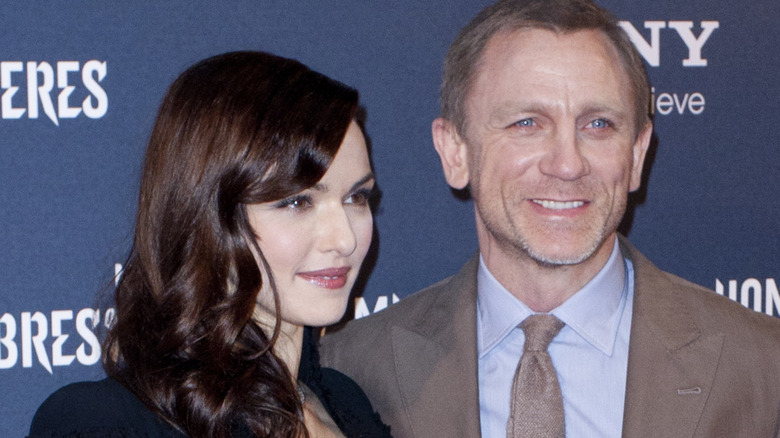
x=508, y=109
x=602, y=108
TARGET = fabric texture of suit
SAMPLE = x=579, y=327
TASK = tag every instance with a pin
x=699, y=364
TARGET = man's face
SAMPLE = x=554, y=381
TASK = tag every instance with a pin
x=551, y=148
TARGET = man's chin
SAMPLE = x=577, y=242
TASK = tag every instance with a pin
x=549, y=261
x=561, y=257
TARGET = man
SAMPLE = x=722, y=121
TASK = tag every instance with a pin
x=545, y=120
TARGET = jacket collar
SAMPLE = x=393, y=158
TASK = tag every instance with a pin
x=671, y=364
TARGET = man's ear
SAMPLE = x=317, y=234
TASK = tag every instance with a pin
x=452, y=151
x=641, y=144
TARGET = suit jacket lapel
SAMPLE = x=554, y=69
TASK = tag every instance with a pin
x=436, y=362
x=671, y=365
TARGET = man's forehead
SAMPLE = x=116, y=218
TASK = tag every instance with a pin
x=537, y=42
x=515, y=59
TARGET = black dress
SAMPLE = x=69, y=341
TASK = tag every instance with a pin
x=107, y=409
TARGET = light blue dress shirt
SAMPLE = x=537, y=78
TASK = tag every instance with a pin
x=590, y=354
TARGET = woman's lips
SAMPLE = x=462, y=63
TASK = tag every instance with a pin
x=331, y=278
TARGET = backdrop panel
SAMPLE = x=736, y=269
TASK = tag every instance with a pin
x=81, y=81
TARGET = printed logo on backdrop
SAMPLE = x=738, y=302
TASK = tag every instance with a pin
x=761, y=296
x=62, y=90
x=361, y=306
x=671, y=102
x=53, y=339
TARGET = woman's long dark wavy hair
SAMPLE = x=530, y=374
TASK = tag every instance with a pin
x=235, y=129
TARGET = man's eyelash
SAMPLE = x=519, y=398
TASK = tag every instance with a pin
x=607, y=123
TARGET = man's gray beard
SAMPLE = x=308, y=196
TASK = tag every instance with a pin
x=546, y=262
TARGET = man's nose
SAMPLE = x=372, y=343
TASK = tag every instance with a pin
x=563, y=158
x=336, y=233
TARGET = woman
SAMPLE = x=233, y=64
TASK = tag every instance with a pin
x=253, y=221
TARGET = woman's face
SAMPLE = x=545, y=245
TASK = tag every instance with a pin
x=315, y=241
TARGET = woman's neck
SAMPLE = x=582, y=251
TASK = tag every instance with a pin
x=289, y=343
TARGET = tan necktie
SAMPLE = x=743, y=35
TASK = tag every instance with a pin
x=536, y=405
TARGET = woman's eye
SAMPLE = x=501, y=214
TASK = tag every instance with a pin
x=295, y=203
x=361, y=197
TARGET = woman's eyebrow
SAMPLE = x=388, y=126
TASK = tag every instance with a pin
x=321, y=187
x=368, y=177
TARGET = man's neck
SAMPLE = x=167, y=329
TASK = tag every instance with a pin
x=543, y=287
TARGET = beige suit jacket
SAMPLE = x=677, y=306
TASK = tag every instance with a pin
x=699, y=365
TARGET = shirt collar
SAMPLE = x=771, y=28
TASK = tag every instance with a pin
x=593, y=312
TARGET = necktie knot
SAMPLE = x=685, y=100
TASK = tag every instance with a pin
x=539, y=331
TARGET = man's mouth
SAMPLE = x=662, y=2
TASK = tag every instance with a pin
x=558, y=205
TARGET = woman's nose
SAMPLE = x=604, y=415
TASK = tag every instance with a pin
x=337, y=233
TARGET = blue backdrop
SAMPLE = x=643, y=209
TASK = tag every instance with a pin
x=81, y=82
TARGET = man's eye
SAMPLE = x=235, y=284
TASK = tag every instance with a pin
x=525, y=123
x=600, y=124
